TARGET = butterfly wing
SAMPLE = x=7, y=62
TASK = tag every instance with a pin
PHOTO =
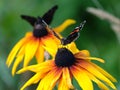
x=48, y=16
x=71, y=37
x=74, y=34
x=29, y=19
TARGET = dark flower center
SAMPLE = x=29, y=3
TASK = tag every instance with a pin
x=39, y=31
x=64, y=58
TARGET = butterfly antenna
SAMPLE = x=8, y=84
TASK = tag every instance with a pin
x=56, y=35
x=82, y=25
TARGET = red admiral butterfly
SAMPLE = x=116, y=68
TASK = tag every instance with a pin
x=72, y=36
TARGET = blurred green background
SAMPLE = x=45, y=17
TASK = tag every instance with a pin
x=97, y=36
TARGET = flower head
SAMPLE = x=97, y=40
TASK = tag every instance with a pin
x=34, y=43
x=66, y=65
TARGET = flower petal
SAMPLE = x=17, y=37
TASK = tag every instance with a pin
x=19, y=58
x=62, y=84
x=92, y=58
x=82, y=53
x=30, y=50
x=104, y=72
x=29, y=34
x=89, y=67
x=40, y=53
x=14, y=51
x=37, y=77
x=97, y=59
x=51, y=79
x=42, y=67
x=67, y=78
x=64, y=25
x=82, y=78
x=73, y=48
x=50, y=45
x=16, y=63
x=99, y=83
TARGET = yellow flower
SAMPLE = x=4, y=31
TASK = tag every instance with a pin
x=66, y=65
x=34, y=43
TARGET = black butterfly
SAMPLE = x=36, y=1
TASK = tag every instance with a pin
x=46, y=18
x=72, y=36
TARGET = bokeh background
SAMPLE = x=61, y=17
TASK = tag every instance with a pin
x=98, y=36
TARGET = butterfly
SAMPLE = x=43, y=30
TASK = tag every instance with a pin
x=46, y=18
x=72, y=36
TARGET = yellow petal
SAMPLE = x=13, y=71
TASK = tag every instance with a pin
x=14, y=51
x=50, y=45
x=29, y=34
x=40, y=53
x=42, y=67
x=89, y=67
x=66, y=77
x=99, y=83
x=64, y=25
x=19, y=58
x=31, y=80
x=82, y=54
x=85, y=55
x=92, y=58
x=30, y=50
x=86, y=52
x=73, y=48
x=82, y=78
x=49, y=81
x=51, y=51
x=62, y=84
x=105, y=73
x=16, y=63
x=97, y=59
